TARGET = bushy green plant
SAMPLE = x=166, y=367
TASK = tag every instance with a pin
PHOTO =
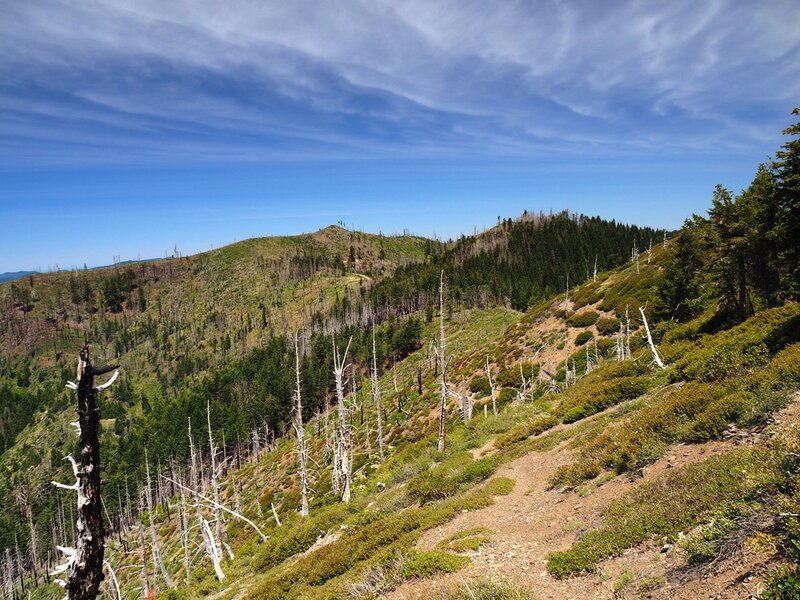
x=431, y=486
x=583, y=337
x=534, y=427
x=673, y=502
x=432, y=562
x=742, y=349
x=583, y=319
x=480, y=385
x=478, y=471
x=607, y=325
x=591, y=399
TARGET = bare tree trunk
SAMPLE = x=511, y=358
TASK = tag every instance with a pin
x=205, y=530
x=156, y=549
x=656, y=357
x=376, y=395
x=145, y=570
x=491, y=385
x=442, y=367
x=345, y=465
x=466, y=402
x=298, y=427
x=627, y=335
x=86, y=559
x=214, y=484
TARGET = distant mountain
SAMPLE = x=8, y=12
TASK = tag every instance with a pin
x=11, y=276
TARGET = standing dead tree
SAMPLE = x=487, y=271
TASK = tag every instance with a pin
x=376, y=395
x=345, y=464
x=491, y=385
x=86, y=559
x=442, y=366
x=656, y=357
x=298, y=429
x=155, y=548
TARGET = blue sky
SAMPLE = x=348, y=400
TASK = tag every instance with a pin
x=131, y=127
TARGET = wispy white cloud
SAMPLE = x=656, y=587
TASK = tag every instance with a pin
x=254, y=80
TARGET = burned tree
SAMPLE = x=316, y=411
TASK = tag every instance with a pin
x=442, y=367
x=86, y=559
x=301, y=440
x=343, y=465
x=376, y=395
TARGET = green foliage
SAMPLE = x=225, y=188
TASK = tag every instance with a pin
x=431, y=563
x=521, y=432
x=742, y=349
x=583, y=337
x=285, y=542
x=478, y=471
x=511, y=377
x=480, y=385
x=583, y=319
x=644, y=437
x=431, y=486
x=587, y=400
x=704, y=545
x=487, y=589
x=607, y=325
x=671, y=503
x=679, y=292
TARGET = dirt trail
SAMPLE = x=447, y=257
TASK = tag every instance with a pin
x=533, y=521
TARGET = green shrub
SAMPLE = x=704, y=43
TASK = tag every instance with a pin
x=524, y=431
x=430, y=563
x=480, y=385
x=510, y=377
x=645, y=436
x=590, y=399
x=783, y=372
x=714, y=420
x=478, y=471
x=487, y=589
x=583, y=319
x=742, y=349
x=607, y=325
x=583, y=337
x=674, y=502
x=431, y=486
x=500, y=486
x=288, y=541
x=782, y=584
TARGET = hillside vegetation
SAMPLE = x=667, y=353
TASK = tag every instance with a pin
x=677, y=475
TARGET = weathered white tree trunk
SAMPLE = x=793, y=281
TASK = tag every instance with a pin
x=214, y=483
x=145, y=570
x=344, y=449
x=442, y=367
x=627, y=335
x=594, y=274
x=205, y=530
x=154, y=545
x=656, y=357
x=491, y=385
x=566, y=357
x=466, y=402
x=376, y=396
x=301, y=440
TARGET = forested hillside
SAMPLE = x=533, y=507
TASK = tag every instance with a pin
x=213, y=328
x=641, y=386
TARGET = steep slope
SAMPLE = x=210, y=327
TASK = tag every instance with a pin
x=585, y=483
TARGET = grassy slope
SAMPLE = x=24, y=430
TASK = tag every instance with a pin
x=740, y=375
